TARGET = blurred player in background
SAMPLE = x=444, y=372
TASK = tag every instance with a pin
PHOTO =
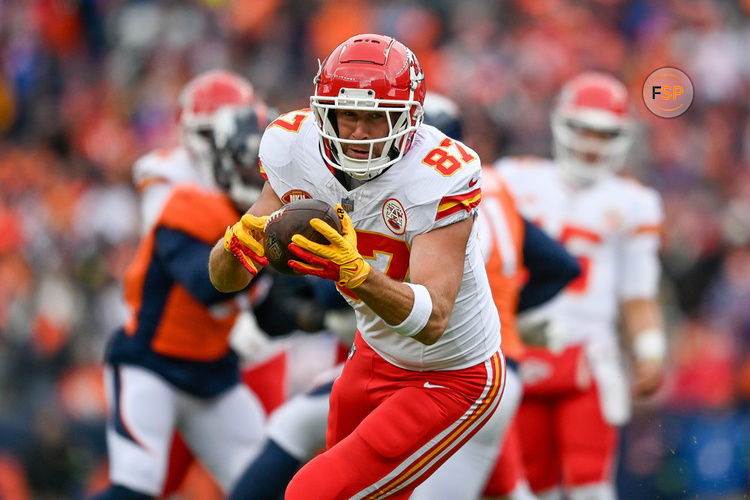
x=425, y=372
x=170, y=367
x=177, y=346
x=525, y=268
x=575, y=384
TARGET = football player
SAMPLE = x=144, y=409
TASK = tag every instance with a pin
x=170, y=368
x=425, y=371
x=575, y=386
x=525, y=268
x=296, y=430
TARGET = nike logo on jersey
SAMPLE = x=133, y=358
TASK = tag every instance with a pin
x=433, y=386
x=473, y=182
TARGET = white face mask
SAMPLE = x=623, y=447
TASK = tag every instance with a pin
x=590, y=145
x=400, y=128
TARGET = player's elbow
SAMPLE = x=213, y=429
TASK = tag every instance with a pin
x=228, y=283
x=434, y=328
x=570, y=269
x=223, y=277
x=221, y=285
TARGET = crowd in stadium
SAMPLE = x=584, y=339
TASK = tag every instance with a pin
x=88, y=86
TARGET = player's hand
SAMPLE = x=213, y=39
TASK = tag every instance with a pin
x=243, y=241
x=338, y=261
x=648, y=375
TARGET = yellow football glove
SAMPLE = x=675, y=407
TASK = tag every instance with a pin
x=338, y=261
x=243, y=240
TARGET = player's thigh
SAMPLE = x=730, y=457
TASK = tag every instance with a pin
x=464, y=474
x=537, y=434
x=139, y=433
x=350, y=400
x=393, y=449
x=225, y=432
x=587, y=442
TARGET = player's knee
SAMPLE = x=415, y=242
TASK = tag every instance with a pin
x=599, y=491
x=319, y=478
x=116, y=492
x=554, y=493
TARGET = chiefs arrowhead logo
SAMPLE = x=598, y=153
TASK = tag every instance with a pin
x=394, y=216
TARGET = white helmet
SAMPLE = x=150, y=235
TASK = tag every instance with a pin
x=590, y=127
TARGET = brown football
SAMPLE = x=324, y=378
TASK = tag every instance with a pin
x=294, y=218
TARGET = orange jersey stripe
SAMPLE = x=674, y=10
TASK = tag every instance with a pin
x=570, y=232
x=504, y=265
x=150, y=182
x=652, y=228
x=452, y=204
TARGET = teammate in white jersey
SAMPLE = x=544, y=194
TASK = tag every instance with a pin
x=576, y=391
x=425, y=372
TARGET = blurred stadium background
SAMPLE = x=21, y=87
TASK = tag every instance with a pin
x=86, y=86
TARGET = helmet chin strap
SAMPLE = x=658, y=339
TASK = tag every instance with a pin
x=373, y=167
x=576, y=173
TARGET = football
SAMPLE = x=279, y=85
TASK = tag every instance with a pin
x=294, y=218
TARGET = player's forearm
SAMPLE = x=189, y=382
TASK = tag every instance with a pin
x=640, y=315
x=226, y=272
x=644, y=324
x=393, y=301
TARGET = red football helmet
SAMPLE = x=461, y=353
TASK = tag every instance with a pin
x=199, y=101
x=369, y=72
x=591, y=128
x=218, y=113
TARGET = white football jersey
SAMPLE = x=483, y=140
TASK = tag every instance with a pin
x=435, y=184
x=612, y=227
x=156, y=174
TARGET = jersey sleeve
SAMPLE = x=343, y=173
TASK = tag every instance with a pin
x=278, y=146
x=640, y=267
x=199, y=213
x=447, y=196
x=154, y=177
x=185, y=258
